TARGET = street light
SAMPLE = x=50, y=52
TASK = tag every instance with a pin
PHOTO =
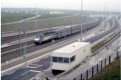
x=51, y=56
x=81, y=17
x=25, y=49
x=36, y=13
x=20, y=46
x=19, y=41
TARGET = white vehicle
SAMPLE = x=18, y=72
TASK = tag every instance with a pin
x=68, y=57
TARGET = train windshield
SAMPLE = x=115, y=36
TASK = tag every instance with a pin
x=38, y=36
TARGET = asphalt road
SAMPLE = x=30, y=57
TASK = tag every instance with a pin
x=114, y=27
x=31, y=71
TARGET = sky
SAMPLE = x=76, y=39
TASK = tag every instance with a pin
x=95, y=5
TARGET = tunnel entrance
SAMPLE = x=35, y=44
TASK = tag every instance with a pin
x=56, y=72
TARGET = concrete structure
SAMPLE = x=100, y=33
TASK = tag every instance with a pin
x=68, y=57
x=119, y=51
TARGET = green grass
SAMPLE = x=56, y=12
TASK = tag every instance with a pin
x=46, y=16
x=12, y=17
x=44, y=23
x=111, y=72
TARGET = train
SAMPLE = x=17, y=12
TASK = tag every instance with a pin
x=64, y=31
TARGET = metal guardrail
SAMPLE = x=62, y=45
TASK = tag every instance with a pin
x=107, y=43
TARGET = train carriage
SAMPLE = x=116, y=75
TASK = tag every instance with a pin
x=64, y=31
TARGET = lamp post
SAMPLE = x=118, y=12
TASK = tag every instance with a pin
x=19, y=41
x=25, y=48
x=25, y=51
x=36, y=13
x=120, y=35
x=51, y=56
x=36, y=24
x=81, y=17
x=104, y=12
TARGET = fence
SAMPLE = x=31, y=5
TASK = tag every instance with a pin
x=89, y=73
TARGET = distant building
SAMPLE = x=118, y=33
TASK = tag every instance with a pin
x=55, y=12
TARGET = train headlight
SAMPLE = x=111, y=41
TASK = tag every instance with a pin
x=36, y=39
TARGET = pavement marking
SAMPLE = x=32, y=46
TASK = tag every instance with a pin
x=35, y=71
x=32, y=78
x=31, y=67
x=20, y=75
x=36, y=65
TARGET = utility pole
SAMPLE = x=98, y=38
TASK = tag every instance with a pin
x=105, y=12
x=25, y=47
x=36, y=24
x=25, y=51
x=51, y=61
x=81, y=18
x=120, y=37
x=35, y=16
x=19, y=41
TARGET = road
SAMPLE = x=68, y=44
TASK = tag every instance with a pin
x=114, y=27
x=31, y=70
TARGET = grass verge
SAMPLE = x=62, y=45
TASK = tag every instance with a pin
x=111, y=72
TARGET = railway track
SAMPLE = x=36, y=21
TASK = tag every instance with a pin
x=15, y=51
x=7, y=38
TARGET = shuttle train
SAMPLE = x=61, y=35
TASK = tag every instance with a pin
x=64, y=31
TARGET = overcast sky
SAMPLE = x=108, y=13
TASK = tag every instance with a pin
x=100, y=5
